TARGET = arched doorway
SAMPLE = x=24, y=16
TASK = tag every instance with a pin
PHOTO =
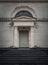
x=23, y=33
x=23, y=30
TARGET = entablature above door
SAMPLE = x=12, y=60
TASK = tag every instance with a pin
x=24, y=21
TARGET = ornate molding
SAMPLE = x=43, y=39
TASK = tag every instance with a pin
x=20, y=8
x=11, y=19
x=24, y=18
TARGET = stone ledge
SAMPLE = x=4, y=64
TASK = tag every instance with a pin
x=25, y=1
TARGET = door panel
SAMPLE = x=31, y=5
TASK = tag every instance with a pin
x=23, y=39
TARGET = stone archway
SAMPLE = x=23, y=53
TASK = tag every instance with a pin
x=20, y=8
x=23, y=21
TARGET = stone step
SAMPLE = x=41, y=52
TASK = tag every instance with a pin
x=34, y=55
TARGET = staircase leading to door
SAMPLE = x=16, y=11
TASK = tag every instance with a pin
x=13, y=56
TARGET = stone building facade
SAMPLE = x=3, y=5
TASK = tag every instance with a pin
x=24, y=24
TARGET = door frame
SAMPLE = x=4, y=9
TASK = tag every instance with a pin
x=16, y=37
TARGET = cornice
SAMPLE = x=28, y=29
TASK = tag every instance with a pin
x=11, y=19
x=24, y=1
x=24, y=19
x=5, y=19
x=42, y=20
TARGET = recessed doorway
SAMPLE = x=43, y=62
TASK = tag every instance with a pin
x=23, y=38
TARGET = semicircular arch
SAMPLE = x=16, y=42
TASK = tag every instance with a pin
x=26, y=8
